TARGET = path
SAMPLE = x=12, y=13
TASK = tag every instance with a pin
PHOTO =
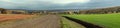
x=47, y=21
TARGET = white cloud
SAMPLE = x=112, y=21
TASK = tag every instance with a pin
x=5, y=0
x=70, y=1
x=56, y=3
x=53, y=1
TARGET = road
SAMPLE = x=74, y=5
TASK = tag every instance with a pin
x=46, y=21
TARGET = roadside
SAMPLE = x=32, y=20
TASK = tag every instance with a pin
x=70, y=24
x=10, y=21
x=5, y=17
x=83, y=23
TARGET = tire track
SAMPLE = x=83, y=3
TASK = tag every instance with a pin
x=46, y=21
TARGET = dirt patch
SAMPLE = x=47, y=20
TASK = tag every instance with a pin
x=45, y=21
x=4, y=17
x=86, y=24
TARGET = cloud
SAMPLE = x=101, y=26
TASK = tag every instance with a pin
x=56, y=4
x=69, y=1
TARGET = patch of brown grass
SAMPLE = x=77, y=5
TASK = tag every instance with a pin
x=13, y=16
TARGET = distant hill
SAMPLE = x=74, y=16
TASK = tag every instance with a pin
x=79, y=11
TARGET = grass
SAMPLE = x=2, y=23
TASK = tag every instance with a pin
x=14, y=22
x=70, y=24
x=13, y=16
x=105, y=20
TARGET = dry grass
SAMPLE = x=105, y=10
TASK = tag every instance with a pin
x=4, y=17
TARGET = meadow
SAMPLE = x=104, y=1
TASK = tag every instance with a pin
x=104, y=20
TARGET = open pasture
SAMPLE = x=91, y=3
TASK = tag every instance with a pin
x=104, y=20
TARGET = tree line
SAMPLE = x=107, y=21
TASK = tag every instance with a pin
x=100, y=11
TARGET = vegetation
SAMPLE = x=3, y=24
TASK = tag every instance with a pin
x=70, y=24
x=13, y=22
x=105, y=20
x=4, y=17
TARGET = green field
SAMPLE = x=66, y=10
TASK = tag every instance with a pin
x=104, y=20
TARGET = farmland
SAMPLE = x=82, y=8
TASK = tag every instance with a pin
x=104, y=20
x=4, y=17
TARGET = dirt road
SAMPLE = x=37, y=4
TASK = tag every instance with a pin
x=46, y=21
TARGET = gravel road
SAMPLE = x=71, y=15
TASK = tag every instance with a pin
x=46, y=21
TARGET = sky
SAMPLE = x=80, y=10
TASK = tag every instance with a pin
x=57, y=4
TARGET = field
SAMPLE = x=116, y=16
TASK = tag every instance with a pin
x=13, y=16
x=104, y=20
x=70, y=24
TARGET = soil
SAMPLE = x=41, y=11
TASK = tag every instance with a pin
x=46, y=21
x=4, y=17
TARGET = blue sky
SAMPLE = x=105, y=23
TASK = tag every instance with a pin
x=57, y=4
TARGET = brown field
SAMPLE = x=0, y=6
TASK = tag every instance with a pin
x=4, y=17
x=42, y=21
